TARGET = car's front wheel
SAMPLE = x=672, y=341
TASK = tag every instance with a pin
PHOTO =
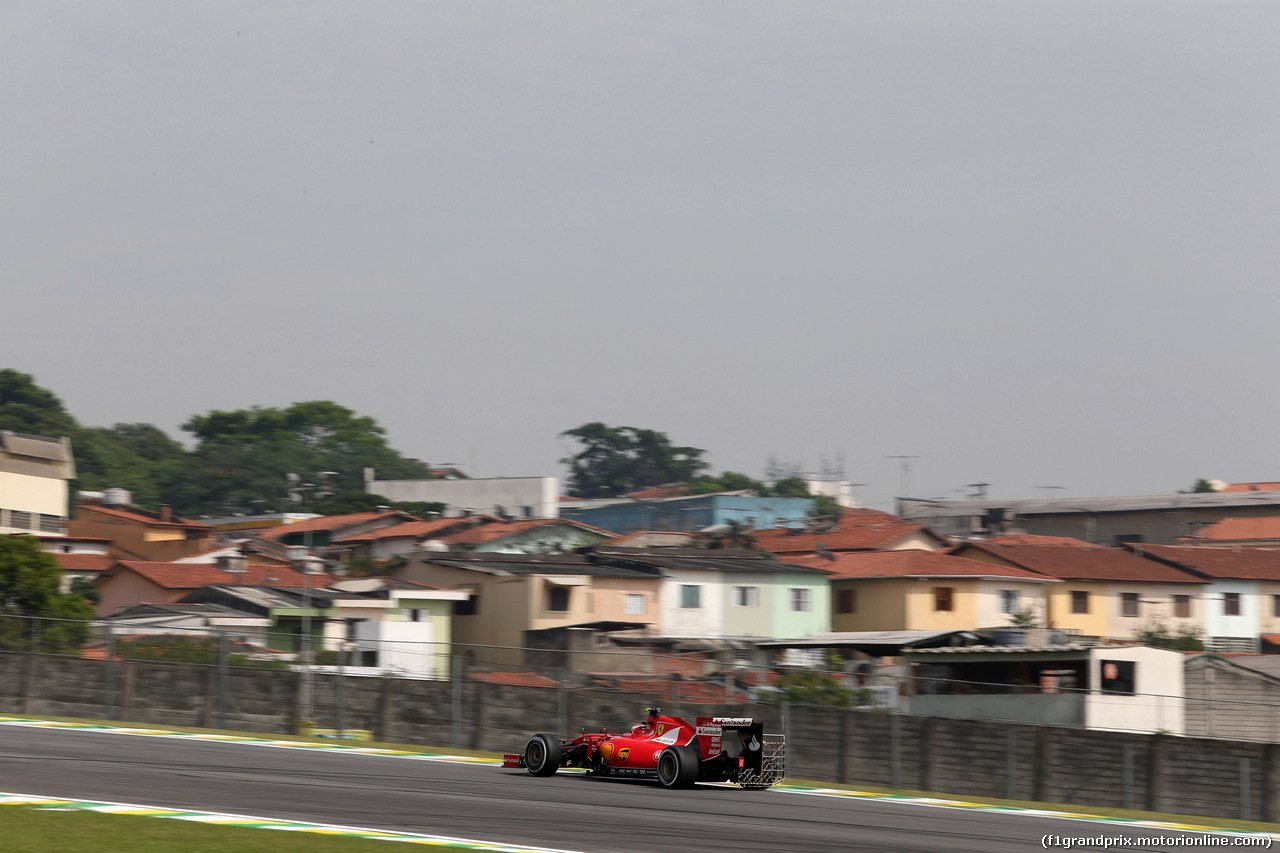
x=678, y=766
x=542, y=755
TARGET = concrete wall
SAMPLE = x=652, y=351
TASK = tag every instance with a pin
x=533, y=497
x=960, y=757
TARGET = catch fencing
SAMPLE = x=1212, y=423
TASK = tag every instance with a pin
x=484, y=704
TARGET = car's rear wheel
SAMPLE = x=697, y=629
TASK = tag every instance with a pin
x=542, y=755
x=678, y=766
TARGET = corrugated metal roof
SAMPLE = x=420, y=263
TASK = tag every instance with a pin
x=922, y=509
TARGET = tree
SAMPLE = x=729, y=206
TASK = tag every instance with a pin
x=26, y=407
x=30, y=586
x=614, y=460
x=241, y=456
x=137, y=457
x=729, y=481
x=1200, y=486
x=365, y=502
x=1186, y=638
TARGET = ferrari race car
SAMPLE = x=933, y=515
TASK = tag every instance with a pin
x=669, y=749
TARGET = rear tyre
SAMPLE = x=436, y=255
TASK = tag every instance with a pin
x=678, y=766
x=542, y=755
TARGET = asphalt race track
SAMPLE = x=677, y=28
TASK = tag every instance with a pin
x=567, y=811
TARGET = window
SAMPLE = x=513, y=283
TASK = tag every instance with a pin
x=20, y=519
x=633, y=604
x=800, y=599
x=1182, y=606
x=690, y=595
x=467, y=607
x=944, y=598
x=1128, y=604
x=1231, y=604
x=1275, y=605
x=558, y=598
x=746, y=596
x=1079, y=601
x=847, y=601
x=1008, y=601
x=1119, y=677
x=417, y=615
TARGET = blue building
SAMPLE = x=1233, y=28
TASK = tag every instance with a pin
x=691, y=513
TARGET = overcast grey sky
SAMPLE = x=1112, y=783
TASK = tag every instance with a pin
x=1032, y=243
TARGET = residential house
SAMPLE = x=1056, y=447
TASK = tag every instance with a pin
x=81, y=558
x=34, y=476
x=130, y=582
x=853, y=530
x=322, y=530
x=916, y=590
x=509, y=594
x=1109, y=593
x=139, y=534
x=480, y=534
x=396, y=625
x=1156, y=519
x=734, y=594
x=1242, y=597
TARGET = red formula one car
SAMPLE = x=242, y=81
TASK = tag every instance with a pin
x=669, y=749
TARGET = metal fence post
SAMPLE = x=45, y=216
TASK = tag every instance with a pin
x=1246, y=784
x=109, y=683
x=224, y=678
x=340, y=692
x=1128, y=797
x=455, y=721
x=1011, y=765
x=562, y=702
x=895, y=750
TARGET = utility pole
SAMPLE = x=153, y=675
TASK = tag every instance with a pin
x=307, y=495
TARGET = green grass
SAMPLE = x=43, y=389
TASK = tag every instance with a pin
x=28, y=829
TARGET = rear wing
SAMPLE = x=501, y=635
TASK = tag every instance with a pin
x=734, y=737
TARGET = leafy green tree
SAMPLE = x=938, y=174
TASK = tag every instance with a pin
x=1198, y=487
x=350, y=502
x=30, y=586
x=241, y=456
x=791, y=487
x=26, y=407
x=729, y=481
x=137, y=457
x=1186, y=638
x=615, y=460
x=811, y=687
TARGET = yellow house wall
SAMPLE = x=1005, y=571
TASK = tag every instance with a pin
x=33, y=494
x=882, y=605
x=1093, y=623
x=922, y=616
x=1267, y=622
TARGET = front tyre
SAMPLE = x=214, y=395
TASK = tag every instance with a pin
x=542, y=755
x=678, y=766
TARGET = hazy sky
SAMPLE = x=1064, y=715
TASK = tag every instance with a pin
x=1032, y=243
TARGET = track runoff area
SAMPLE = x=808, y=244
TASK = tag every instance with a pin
x=1072, y=835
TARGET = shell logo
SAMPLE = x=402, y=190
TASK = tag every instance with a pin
x=623, y=753
x=606, y=749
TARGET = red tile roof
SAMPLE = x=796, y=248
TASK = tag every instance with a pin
x=410, y=529
x=1083, y=562
x=1035, y=539
x=654, y=493
x=326, y=522
x=85, y=562
x=866, y=535
x=897, y=564
x=1241, y=563
x=143, y=516
x=515, y=679
x=489, y=532
x=1252, y=487
x=196, y=575
x=1229, y=529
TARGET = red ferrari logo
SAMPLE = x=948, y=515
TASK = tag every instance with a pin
x=661, y=726
x=623, y=753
